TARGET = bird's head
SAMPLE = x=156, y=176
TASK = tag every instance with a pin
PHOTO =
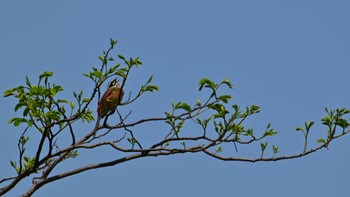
x=114, y=83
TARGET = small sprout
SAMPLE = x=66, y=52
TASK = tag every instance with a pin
x=263, y=148
x=183, y=144
x=321, y=140
x=121, y=57
x=218, y=149
x=275, y=150
x=308, y=125
x=72, y=105
x=103, y=59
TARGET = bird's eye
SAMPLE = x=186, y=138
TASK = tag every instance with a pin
x=112, y=83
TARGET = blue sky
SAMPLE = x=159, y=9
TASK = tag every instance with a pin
x=292, y=58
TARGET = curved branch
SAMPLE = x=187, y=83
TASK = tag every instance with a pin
x=267, y=159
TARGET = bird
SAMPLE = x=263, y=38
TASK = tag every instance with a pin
x=110, y=99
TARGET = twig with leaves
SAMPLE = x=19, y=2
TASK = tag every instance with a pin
x=219, y=123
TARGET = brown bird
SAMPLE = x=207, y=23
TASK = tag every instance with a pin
x=110, y=99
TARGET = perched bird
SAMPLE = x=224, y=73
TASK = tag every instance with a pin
x=110, y=99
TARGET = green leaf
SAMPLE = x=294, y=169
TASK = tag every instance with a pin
x=121, y=57
x=151, y=88
x=308, y=125
x=203, y=82
x=53, y=115
x=17, y=121
x=321, y=140
x=250, y=132
x=113, y=42
x=23, y=140
x=96, y=73
x=55, y=89
x=326, y=120
x=112, y=70
x=136, y=62
x=263, y=146
x=87, y=116
x=268, y=126
x=206, y=121
x=103, y=59
x=254, y=109
x=121, y=74
x=343, y=123
x=225, y=98
x=218, y=149
x=27, y=159
x=13, y=164
x=19, y=105
x=227, y=82
x=9, y=92
x=217, y=107
x=45, y=74
x=168, y=115
x=85, y=100
x=62, y=101
x=183, y=144
x=30, y=123
x=299, y=129
x=73, y=154
x=150, y=79
x=270, y=133
x=28, y=82
x=275, y=149
x=183, y=106
x=326, y=109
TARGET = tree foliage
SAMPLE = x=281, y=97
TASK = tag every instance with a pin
x=219, y=122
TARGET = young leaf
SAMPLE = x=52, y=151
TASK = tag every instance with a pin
x=183, y=144
x=263, y=145
x=308, y=125
x=17, y=121
x=299, y=129
x=150, y=79
x=254, y=109
x=72, y=105
x=275, y=149
x=9, y=92
x=183, y=106
x=203, y=82
x=321, y=140
x=225, y=98
x=121, y=57
x=45, y=74
x=103, y=59
x=227, y=82
x=151, y=88
x=270, y=133
x=326, y=120
x=218, y=149
x=113, y=42
x=13, y=164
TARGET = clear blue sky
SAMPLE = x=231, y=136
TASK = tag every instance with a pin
x=290, y=57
